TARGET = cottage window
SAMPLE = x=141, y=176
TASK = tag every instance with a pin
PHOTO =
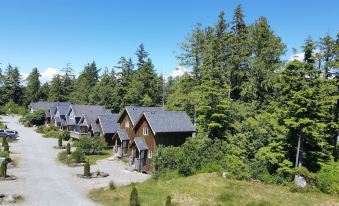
x=145, y=131
x=150, y=154
x=124, y=144
x=126, y=124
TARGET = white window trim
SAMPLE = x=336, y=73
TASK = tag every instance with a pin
x=145, y=131
x=126, y=124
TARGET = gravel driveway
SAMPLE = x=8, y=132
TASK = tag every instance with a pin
x=43, y=181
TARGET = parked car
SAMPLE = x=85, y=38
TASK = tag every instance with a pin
x=12, y=134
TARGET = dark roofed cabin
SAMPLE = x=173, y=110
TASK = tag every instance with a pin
x=87, y=123
x=129, y=116
x=108, y=126
x=46, y=106
x=158, y=128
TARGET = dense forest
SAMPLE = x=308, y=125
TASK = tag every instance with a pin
x=252, y=110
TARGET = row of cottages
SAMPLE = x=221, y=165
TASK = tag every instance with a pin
x=48, y=107
x=134, y=134
x=143, y=129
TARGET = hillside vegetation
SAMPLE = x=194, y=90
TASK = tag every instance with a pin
x=211, y=190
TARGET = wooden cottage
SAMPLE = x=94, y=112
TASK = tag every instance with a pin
x=87, y=123
x=59, y=117
x=120, y=141
x=108, y=126
x=48, y=107
x=154, y=128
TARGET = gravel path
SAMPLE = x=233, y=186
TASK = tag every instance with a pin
x=43, y=181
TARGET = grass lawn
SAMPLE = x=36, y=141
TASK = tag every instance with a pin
x=209, y=189
x=104, y=154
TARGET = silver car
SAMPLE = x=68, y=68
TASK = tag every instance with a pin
x=12, y=134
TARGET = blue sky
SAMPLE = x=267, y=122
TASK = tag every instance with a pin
x=50, y=34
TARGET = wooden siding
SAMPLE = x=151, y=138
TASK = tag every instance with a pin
x=148, y=138
x=129, y=130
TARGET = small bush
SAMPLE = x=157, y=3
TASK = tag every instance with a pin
x=4, y=154
x=13, y=108
x=134, y=199
x=51, y=133
x=111, y=186
x=68, y=148
x=78, y=155
x=36, y=118
x=60, y=142
x=90, y=145
x=328, y=178
x=3, y=169
x=6, y=147
x=64, y=157
x=87, y=169
x=168, y=201
x=4, y=141
x=65, y=135
x=211, y=167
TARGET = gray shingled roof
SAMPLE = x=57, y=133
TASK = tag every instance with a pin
x=122, y=134
x=141, y=143
x=169, y=122
x=80, y=110
x=63, y=109
x=41, y=105
x=108, y=123
x=91, y=113
x=134, y=112
x=52, y=111
x=95, y=128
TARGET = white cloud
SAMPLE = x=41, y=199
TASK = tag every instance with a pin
x=24, y=75
x=298, y=57
x=178, y=71
x=48, y=74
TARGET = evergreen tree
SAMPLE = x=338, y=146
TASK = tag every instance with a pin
x=12, y=85
x=87, y=79
x=142, y=55
x=193, y=50
x=44, y=92
x=33, y=86
x=67, y=79
x=267, y=49
x=55, y=90
x=239, y=55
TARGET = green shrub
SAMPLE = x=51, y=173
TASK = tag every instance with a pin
x=211, y=167
x=6, y=146
x=90, y=145
x=111, y=185
x=64, y=157
x=14, y=108
x=4, y=154
x=328, y=178
x=236, y=168
x=163, y=158
x=65, y=135
x=68, y=148
x=3, y=169
x=134, y=200
x=78, y=155
x=60, y=142
x=168, y=201
x=51, y=133
x=87, y=169
x=4, y=141
x=35, y=118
